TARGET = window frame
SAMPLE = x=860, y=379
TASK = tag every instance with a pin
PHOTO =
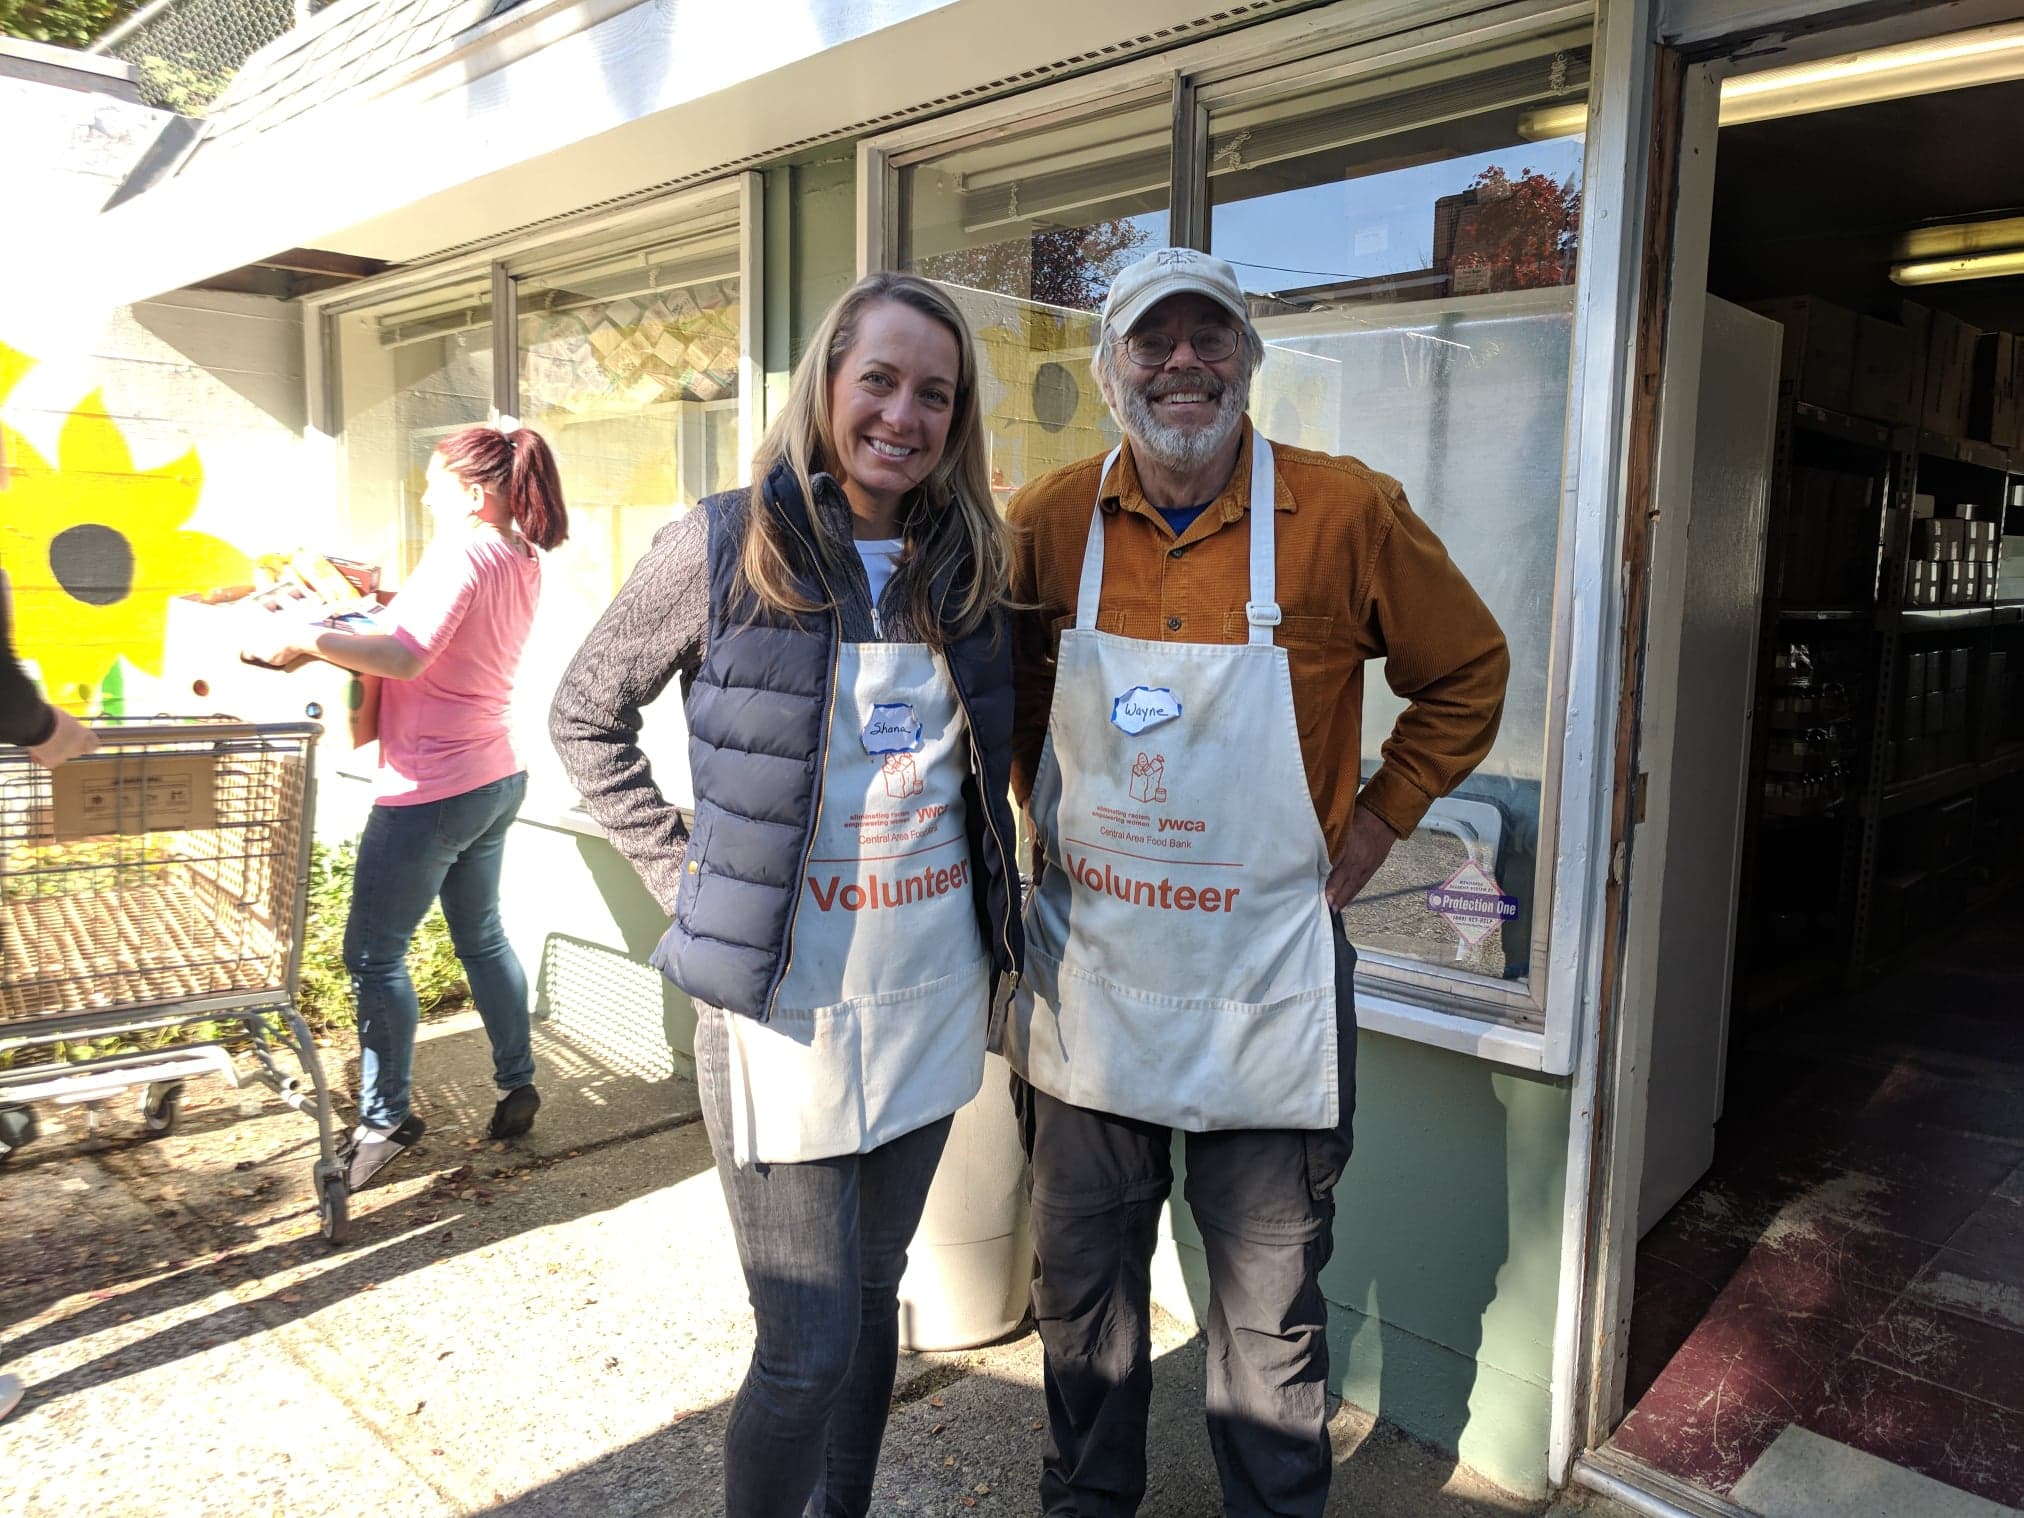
x=735, y=201
x=1531, y=1024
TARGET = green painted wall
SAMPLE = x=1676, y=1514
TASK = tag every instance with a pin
x=1442, y=1289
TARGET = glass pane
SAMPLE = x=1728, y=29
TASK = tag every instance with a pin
x=411, y=372
x=628, y=365
x=1028, y=232
x=1409, y=243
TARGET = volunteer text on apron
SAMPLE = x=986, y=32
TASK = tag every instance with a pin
x=1179, y=966
x=878, y=1027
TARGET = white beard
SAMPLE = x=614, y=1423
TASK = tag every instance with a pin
x=1182, y=449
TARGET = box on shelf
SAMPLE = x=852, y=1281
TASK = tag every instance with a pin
x=1881, y=385
x=1818, y=357
x=1994, y=413
x=1948, y=367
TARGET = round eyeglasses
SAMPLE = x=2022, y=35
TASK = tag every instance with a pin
x=1151, y=349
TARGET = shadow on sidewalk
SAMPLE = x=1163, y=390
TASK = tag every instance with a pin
x=959, y=1433
x=227, y=1203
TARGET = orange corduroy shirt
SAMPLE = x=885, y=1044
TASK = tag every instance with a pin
x=1360, y=578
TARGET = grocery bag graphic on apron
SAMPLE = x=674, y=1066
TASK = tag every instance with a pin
x=878, y=1027
x=1179, y=962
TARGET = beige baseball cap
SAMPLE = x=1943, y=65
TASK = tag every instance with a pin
x=1171, y=271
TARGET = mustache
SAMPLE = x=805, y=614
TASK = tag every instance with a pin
x=1167, y=385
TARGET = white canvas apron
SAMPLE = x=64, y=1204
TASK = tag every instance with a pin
x=1179, y=963
x=878, y=1027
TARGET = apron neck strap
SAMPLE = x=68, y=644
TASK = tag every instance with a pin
x=1261, y=612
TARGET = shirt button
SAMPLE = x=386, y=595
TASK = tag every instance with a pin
x=1173, y=624
x=1175, y=553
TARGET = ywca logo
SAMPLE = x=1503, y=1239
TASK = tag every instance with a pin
x=1149, y=778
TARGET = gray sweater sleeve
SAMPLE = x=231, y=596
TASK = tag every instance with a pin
x=655, y=630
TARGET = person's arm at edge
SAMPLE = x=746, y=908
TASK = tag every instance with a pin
x=653, y=631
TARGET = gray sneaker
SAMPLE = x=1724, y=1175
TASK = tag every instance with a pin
x=372, y=1148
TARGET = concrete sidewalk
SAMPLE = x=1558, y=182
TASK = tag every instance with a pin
x=551, y=1327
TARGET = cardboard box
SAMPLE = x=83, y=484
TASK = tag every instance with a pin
x=1949, y=375
x=203, y=672
x=1993, y=402
x=1881, y=382
x=1944, y=353
x=1817, y=360
x=105, y=795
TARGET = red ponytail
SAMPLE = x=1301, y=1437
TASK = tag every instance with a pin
x=517, y=466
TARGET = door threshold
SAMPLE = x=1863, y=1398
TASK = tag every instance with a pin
x=1646, y=1489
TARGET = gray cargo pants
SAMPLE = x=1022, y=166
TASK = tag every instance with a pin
x=1263, y=1200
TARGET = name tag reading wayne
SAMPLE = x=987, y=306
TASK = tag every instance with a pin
x=892, y=728
x=1144, y=706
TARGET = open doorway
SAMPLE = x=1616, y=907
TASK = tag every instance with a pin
x=1834, y=1304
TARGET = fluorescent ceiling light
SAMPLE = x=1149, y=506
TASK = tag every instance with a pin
x=1998, y=234
x=1940, y=271
x=1987, y=55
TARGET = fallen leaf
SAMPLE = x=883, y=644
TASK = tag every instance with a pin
x=418, y=1408
x=934, y=1401
x=982, y=1488
x=967, y=1501
x=446, y=1354
x=949, y=1460
x=937, y=1429
x=291, y=1296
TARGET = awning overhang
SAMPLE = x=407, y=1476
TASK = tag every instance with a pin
x=645, y=96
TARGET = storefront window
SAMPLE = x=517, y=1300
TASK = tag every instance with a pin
x=411, y=372
x=1409, y=243
x=626, y=358
x=1027, y=233
x=628, y=365
x=1408, y=233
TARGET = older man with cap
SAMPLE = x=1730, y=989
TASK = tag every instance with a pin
x=1188, y=744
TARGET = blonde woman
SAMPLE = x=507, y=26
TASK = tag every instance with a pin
x=846, y=900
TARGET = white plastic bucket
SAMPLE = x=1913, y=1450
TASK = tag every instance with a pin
x=970, y=1268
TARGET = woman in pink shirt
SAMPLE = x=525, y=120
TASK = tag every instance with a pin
x=450, y=781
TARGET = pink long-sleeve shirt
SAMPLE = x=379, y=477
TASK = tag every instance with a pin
x=466, y=611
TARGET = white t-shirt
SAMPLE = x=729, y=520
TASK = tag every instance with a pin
x=878, y=555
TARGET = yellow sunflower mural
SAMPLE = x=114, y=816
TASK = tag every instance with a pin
x=96, y=547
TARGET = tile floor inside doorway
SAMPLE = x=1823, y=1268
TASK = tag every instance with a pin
x=1853, y=1265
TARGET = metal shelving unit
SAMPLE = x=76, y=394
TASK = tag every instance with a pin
x=1874, y=636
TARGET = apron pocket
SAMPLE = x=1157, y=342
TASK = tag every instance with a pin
x=1196, y=1063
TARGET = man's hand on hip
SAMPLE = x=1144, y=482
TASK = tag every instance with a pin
x=1370, y=844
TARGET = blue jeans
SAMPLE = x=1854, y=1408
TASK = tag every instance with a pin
x=408, y=857
x=823, y=1245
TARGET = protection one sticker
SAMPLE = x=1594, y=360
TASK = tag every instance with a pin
x=892, y=728
x=1473, y=903
x=1144, y=706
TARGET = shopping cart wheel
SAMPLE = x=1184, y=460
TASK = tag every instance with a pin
x=333, y=1207
x=160, y=1107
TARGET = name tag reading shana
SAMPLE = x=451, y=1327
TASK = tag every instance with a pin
x=892, y=728
x=1144, y=706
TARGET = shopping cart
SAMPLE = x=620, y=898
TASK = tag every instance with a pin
x=153, y=887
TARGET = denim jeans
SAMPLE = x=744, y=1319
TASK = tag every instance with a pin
x=823, y=1245
x=408, y=857
x=1263, y=1200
